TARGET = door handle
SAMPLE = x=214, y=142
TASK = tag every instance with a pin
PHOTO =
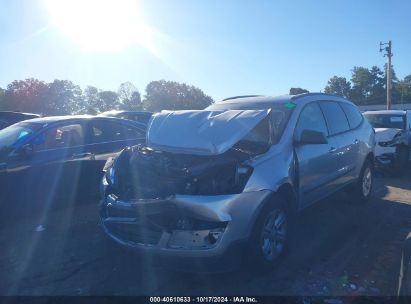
x=82, y=155
x=332, y=150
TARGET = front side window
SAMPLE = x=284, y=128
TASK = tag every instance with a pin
x=336, y=119
x=63, y=136
x=311, y=118
x=12, y=135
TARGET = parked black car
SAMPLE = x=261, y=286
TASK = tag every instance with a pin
x=139, y=116
x=8, y=118
x=45, y=158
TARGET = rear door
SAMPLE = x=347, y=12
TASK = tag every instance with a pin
x=355, y=120
x=107, y=137
x=343, y=143
x=317, y=163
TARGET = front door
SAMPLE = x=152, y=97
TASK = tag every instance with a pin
x=51, y=169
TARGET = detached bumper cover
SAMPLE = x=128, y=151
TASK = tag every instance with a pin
x=149, y=225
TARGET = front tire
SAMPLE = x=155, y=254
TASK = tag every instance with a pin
x=269, y=239
x=363, y=188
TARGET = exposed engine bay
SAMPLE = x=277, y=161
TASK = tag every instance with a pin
x=142, y=173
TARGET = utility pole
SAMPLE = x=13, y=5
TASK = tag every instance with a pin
x=388, y=54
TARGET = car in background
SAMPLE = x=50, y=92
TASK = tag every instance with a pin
x=211, y=185
x=8, y=118
x=393, y=137
x=139, y=116
x=59, y=157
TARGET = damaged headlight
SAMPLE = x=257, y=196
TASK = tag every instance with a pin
x=110, y=170
x=242, y=175
x=397, y=139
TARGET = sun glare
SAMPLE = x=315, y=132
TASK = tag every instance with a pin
x=100, y=25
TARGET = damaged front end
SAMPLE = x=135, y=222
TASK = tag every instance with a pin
x=177, y=203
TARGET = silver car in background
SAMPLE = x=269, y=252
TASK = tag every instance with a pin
x=225, y=182
x=392, y=136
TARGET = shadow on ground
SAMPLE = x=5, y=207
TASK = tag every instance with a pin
x=340, y=248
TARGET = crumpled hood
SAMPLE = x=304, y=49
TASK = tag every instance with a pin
x=385, y=134
x=201, y=132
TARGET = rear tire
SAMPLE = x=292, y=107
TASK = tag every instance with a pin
x=270, y=236
x=362, y=190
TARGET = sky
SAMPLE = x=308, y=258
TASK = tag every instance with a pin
x=224, y=47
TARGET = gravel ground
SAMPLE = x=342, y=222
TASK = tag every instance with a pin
x=339, y=249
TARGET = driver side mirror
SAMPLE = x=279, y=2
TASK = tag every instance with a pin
x=312, y=137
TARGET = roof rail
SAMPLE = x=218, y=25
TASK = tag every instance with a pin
x=241, y=96
x=315, y=93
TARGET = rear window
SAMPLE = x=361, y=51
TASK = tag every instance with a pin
x=354, y=116
x=334, y=115
x=391, y=121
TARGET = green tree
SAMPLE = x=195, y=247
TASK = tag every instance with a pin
x=171, y=95
x=129, y=97
x=402, y=90
x=296, y=91
x=62, y=98
x=107, y=100
x=361, y=80
x=25, y=96
x=338, y=86
x=91, y=100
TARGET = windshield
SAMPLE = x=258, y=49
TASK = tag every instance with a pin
x=392, y=121
x=280, y=113
x=11, y=135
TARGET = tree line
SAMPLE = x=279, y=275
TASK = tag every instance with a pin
x=368, y=86
x=63, y=97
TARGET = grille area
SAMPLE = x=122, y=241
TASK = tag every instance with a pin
x=135, y=233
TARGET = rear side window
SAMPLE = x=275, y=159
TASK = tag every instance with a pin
x=311, y=118
x=106, y=131
x=64, y=136
x=334, y=115
x=354, y=116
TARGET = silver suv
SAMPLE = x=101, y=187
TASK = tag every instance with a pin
x=224, y=182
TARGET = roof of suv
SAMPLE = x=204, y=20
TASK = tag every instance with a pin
x=259, y=99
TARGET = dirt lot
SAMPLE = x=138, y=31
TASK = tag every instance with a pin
x=340, y=249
